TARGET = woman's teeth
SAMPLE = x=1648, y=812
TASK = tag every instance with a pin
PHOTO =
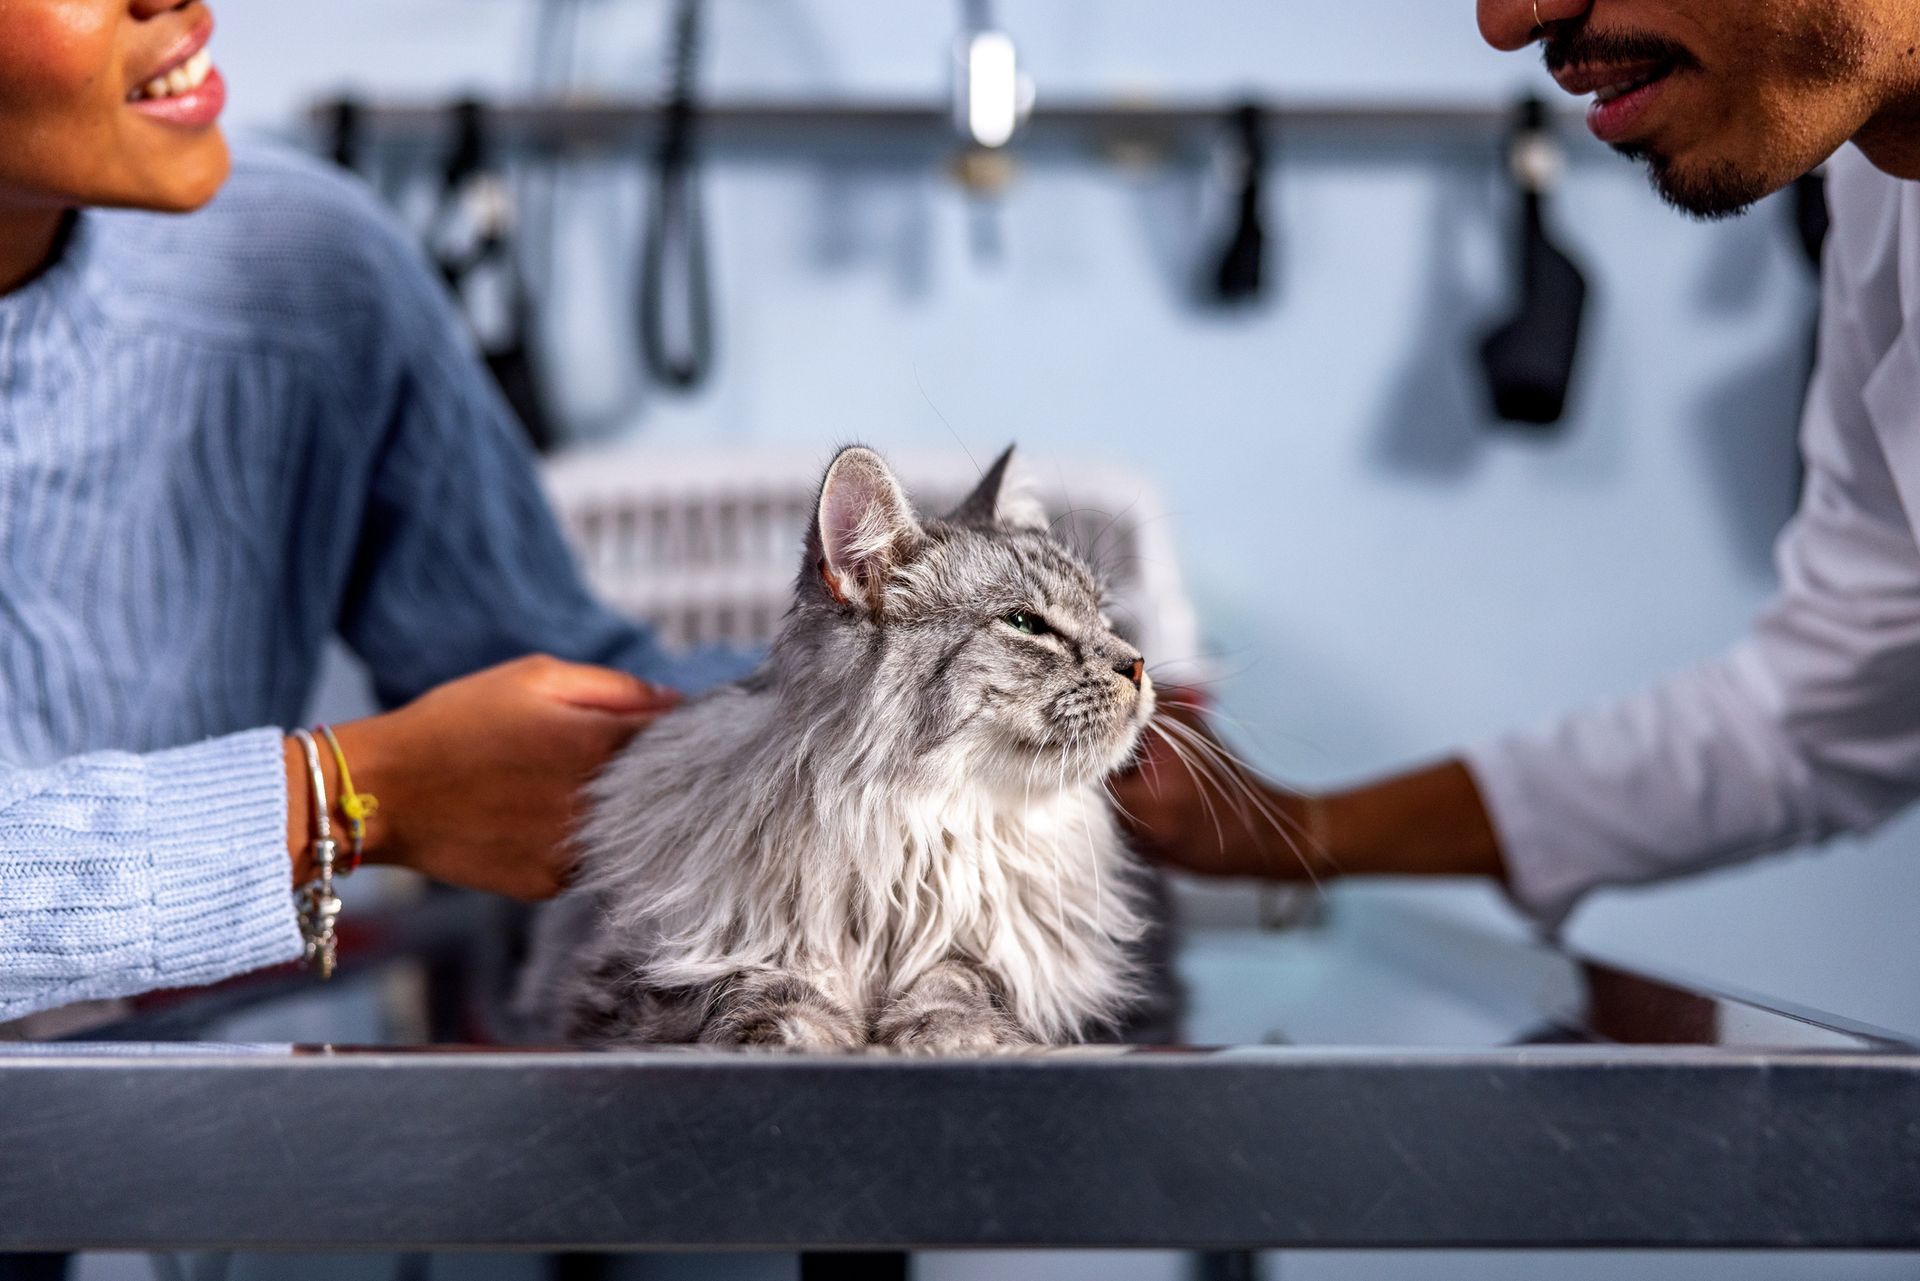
x=186, y=77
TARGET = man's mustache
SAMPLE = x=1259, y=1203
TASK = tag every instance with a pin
x=1575, y=44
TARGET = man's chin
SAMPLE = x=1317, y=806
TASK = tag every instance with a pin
x=1709, y=192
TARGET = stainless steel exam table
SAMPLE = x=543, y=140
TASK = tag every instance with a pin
x=1627, y=1112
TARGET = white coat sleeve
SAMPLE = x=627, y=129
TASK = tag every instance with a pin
x=1810, y=726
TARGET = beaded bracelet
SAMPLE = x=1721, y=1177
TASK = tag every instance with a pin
x=356, y=805
x=315, y=902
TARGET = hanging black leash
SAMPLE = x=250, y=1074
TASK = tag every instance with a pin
x=1239, y=276
x=472, y=232
x=1529, y=359
x=343, y=132
x=675, y=250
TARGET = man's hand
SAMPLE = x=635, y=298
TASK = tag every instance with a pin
x=478, y=779
x=1191, y=804
x=1195, y=808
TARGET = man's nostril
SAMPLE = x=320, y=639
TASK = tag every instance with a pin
x=1133, y=670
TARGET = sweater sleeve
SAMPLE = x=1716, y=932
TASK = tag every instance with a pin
x=461, y=562
x=122, y=873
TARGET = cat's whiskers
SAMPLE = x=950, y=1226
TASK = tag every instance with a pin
x=1235, y=768
x=1237, y=794
x=1227, y=768
x=1199, y=778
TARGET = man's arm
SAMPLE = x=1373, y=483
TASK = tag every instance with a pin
x=1809, y=727
x=1224, y=820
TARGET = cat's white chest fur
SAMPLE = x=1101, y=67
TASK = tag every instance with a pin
x=1038, y=892
x=861, y=898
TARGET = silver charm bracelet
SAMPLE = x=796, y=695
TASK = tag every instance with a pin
x=315, y=902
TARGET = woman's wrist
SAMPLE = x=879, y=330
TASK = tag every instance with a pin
x=361, y=743
x=366, y=784
x=300, y=819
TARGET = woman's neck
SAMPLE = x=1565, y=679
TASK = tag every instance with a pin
x=28, y=239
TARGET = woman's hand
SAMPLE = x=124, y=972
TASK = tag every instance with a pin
x=478, y=779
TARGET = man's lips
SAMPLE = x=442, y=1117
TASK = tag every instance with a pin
x=189, y=44
x=1592, y=77
x=1623, y=92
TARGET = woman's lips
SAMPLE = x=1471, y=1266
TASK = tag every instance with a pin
x=191, y=42
x=197, y=107
x=183, y=88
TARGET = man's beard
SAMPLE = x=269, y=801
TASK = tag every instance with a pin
x=1721, y=190
x=1826, y=48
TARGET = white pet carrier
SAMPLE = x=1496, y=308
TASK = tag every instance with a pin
x=705, y=546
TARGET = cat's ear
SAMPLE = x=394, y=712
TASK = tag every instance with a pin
x=864, y=528
x=1001, y=498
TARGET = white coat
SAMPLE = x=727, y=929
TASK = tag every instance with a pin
x=1810, y=726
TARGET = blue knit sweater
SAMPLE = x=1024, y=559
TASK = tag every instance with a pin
x=224, y=438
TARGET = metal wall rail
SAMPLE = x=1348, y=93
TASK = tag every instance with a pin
x=1117, y=129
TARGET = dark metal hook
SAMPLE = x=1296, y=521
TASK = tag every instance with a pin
x=675, y=241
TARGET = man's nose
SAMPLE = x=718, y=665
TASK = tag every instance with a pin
x=1514, y=24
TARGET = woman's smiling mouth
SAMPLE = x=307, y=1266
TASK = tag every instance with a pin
x=184, y=88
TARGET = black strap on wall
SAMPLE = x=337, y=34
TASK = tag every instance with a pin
x=674, y=251
x=471, y=232
x=343, y=132
x=1529, y=359
x=1240, y=274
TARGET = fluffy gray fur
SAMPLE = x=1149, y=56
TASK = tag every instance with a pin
x=894, y=831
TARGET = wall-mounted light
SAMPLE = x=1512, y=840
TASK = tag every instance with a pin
x=991, y=96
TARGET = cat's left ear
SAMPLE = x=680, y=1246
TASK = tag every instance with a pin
x=863, y=529
x=1001, y=498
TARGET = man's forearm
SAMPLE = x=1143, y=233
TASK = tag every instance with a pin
x=1204, y=811
x=1426, y=822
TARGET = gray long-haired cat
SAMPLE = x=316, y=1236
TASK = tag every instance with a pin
x=894, y=831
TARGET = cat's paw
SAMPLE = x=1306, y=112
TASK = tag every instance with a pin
x=796, y=1026
x=782, y=1012
x=802, y=1027
x=948, y=1029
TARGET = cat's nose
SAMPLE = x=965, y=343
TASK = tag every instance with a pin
x=1132, y=669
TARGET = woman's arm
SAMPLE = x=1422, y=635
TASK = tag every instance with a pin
x=477, y=779
x=121, y=873
x=457, y=561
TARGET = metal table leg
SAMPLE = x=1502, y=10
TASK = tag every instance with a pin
x=837, y=1265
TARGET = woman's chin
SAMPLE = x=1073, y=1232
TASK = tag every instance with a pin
x=185, y=179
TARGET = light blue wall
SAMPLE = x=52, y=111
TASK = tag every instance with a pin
x=1386, y=575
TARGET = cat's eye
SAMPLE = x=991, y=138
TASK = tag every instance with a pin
x=1023, y=621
